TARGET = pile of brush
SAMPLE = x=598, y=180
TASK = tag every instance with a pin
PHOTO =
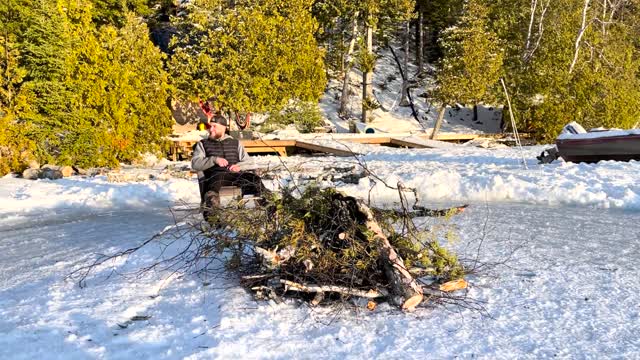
x=322, y=246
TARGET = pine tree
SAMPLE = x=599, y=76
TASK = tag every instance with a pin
x=114, y=12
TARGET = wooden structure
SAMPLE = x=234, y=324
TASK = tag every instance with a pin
x=182, y=150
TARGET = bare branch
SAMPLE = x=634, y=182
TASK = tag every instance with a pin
x=583, y=28
x=534, y=5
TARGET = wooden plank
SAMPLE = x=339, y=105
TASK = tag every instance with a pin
x=371, y=140
x=325, y=148
x=262, y=143
x=268, y=146
x=420, y=143
x=456, y=137
x=281, y=150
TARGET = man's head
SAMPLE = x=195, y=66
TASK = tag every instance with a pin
x=217, y=127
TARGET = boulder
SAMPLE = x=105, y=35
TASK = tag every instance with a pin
x=50, y=173
x=57, y=172
x=31, y=174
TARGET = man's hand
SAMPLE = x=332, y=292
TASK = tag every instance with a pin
x=234, y=168
x=222, y=162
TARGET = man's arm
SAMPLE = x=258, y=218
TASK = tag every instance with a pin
x=199, y=160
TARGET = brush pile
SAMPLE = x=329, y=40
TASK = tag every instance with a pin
x=324, y=246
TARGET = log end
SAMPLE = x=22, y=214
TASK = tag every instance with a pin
x=411, y=303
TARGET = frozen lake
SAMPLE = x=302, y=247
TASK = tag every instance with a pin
x=569, y=289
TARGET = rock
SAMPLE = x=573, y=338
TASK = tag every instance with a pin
x=80, y=171
x=57, y=172
x=33, y=164
x=31, y=174
x=116, y=176
x=101, y=171
x=51, y=173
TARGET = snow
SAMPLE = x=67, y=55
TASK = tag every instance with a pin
x=568, y=232
x=575, y=131
x=393, y=118
x=599, y=134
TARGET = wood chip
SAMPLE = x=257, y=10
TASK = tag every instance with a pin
x=454, y=285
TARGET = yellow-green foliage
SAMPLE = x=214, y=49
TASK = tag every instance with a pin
x=472, y=59
x=304, y=115
x=253, y=56
x=120, y=93
x=78, y=94
x=534, y=52
x=15, y=148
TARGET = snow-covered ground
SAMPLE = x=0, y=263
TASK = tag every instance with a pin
x=570, y=290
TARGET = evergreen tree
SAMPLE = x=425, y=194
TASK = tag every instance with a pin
x=114, y=12
x=563, y=61
x=120, y=92
x=254, y=56
x=472, y=59
x=578, y=67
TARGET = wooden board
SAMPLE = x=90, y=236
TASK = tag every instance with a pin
x=421, y=143
x=334, y=149
x=332, y=145
x=268, y=146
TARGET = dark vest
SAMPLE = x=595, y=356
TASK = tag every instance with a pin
x=227, y=149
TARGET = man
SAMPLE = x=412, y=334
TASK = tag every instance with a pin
x=216, y=159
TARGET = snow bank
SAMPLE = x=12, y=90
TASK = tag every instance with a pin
x=19, y=195
x=459, y=174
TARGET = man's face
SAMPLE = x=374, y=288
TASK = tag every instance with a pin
x=216, y=131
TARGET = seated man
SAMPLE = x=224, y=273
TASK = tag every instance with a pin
x=216, y=159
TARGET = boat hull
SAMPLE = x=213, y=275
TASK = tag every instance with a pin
x=618, y=148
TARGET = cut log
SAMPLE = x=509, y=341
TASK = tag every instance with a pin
x=294, y=286
x=453, y=285
x=402, y=282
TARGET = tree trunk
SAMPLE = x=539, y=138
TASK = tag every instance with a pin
x=436, y=126
x=420, y=41
x=347, y=68
x=405, y=67
x=402, y=283
x=367, y=77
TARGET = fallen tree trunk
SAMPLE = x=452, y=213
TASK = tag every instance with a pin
x=402, y=282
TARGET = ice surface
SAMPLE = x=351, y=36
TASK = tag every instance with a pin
x=568, y=233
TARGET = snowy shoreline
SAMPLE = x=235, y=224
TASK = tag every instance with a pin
x=463, y=174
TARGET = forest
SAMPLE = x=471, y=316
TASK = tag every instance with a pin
x=92, y=82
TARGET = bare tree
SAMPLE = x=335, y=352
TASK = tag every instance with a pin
x=348, y=65
x=583, y=29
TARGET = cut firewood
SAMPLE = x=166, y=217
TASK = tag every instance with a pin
x=317, y=299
